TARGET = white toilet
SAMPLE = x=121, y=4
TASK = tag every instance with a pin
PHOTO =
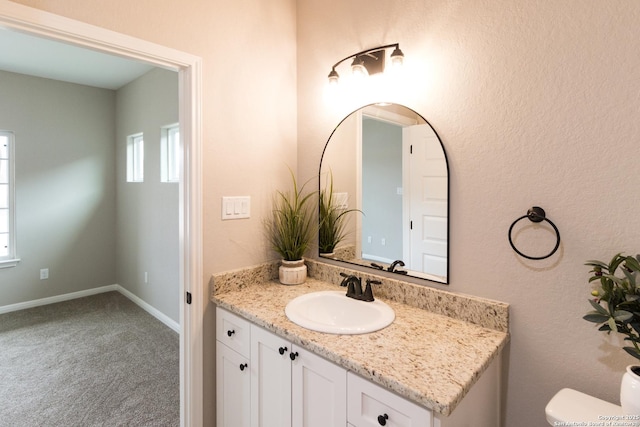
x=570, y=407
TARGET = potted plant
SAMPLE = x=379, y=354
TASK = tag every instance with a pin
x=617, y=308
x=290, y=230
x=332, y=220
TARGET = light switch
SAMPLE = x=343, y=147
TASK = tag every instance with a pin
x=238, y=207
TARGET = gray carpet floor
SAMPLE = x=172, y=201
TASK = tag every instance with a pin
x=94, y=361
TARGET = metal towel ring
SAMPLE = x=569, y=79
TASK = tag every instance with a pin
x=535, y=214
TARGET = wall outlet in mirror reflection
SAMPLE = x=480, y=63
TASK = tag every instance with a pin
x=342, y=200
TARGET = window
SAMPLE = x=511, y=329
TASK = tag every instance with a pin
x=170, y=154
x=7, y=208
x=135, y=158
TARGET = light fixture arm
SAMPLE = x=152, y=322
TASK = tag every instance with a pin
x=364, y=52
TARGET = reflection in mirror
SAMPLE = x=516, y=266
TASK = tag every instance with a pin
x=385, y=167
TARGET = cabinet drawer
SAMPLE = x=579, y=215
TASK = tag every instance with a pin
x=368, y=402
x=233, y=331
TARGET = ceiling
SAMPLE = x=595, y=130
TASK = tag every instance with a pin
x=40, y=57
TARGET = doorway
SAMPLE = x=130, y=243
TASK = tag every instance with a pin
x=32, y=21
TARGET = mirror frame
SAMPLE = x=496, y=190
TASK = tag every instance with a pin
x=410, y=273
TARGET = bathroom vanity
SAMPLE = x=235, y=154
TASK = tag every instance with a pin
x=425, y=369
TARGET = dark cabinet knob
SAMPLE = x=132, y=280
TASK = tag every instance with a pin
x=230, y=332
x=293, y=356
x=282, y=350
x=382, y=419
x=244, y=365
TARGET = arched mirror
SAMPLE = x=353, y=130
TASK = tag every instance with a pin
x=384, y=194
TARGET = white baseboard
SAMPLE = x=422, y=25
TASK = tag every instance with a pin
x=369, y=257
x=150, y=309
x=109, y=288
x=57, y=298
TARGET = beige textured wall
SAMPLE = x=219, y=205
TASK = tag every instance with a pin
x=536, y=104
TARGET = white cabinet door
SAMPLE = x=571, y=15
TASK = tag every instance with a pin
x=270, y=379
x=319, y=391
x=232, y=388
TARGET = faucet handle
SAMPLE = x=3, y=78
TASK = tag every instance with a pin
x=345, y=280
x=368, y=292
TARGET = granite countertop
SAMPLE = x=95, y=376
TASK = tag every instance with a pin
x=428, y=358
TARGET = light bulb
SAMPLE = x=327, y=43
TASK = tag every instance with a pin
x=358, y=69
x=334, y=78
x=397, y=58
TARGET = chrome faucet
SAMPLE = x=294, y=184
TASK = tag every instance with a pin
x=354, y=287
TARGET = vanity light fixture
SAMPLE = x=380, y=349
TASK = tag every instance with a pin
x=370, y=61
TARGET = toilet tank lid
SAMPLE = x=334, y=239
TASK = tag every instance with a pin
x=573, y=406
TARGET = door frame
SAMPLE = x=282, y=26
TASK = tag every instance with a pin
x=189, y=67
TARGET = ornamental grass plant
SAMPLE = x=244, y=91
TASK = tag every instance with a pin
x=332, y=219
x=290, y=229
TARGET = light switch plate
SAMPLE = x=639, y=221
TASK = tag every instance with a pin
x=237, y=207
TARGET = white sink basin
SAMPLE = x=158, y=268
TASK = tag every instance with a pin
x=335, y=313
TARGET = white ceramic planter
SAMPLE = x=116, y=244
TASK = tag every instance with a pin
x=327, y=254
x=630, y=391
x=292, y=272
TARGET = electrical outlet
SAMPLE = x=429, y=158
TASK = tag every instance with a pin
x=146, y=277
x=44, y=273
x=383, y=241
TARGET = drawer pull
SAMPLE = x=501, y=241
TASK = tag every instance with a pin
x=244, y=365
x=230, y=332
x=293, y=356
x=382, y=419
x=282, y=350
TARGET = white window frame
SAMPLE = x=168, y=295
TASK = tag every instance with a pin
x=10, y=259
x=170, y=153
x=135, y=157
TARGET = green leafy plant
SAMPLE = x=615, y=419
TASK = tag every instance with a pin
x=617, y=299
x=290, y=228
x=332, y=220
